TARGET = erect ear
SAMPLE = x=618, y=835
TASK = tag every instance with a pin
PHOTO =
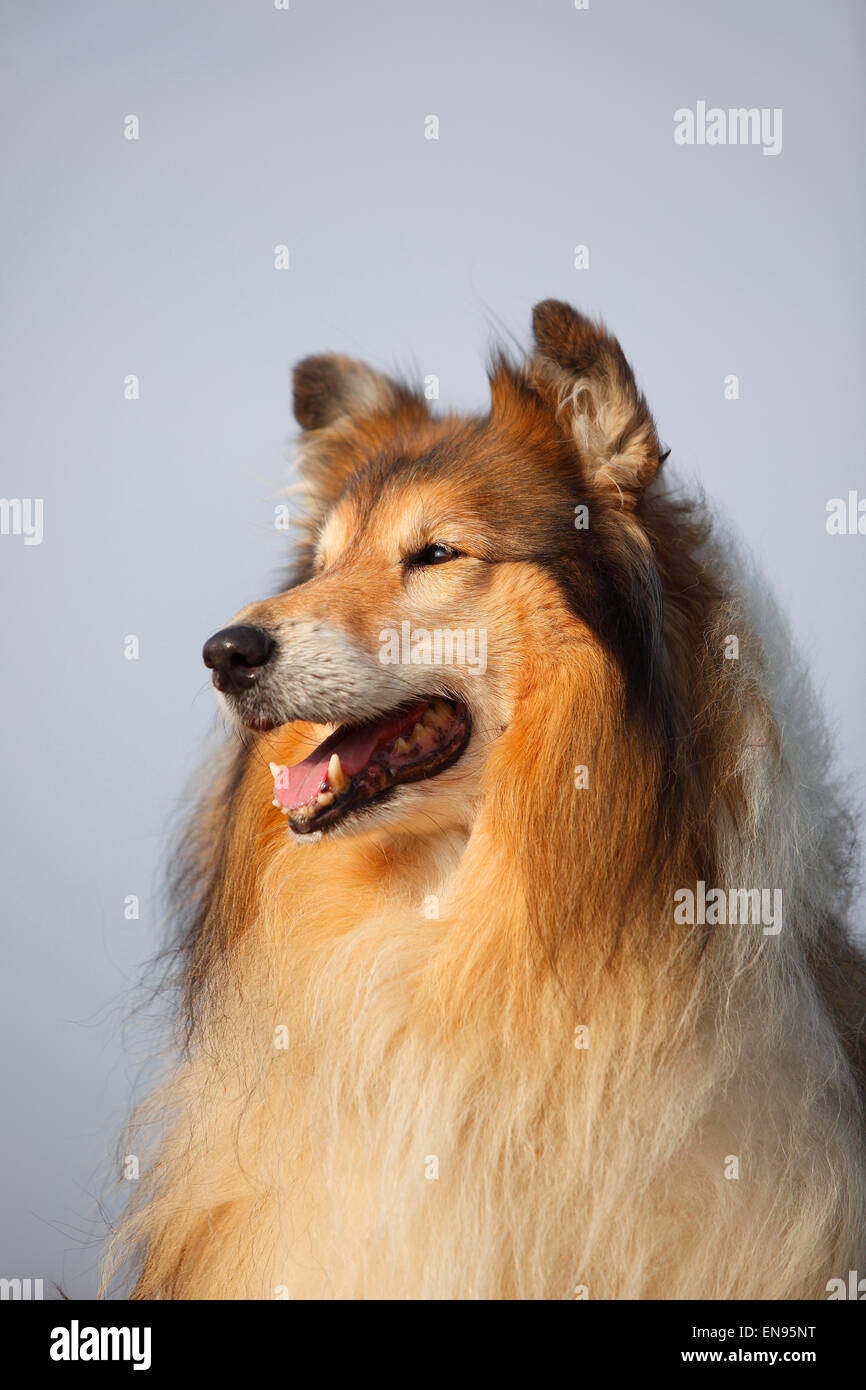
x=329, y=388
x=583, y=373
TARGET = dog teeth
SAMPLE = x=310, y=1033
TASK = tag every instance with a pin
x=324, y=798
x=277, y=804
x=437, y=715
x=419, y=733
x=400, y=746
x=336, y=776
x=275, y=769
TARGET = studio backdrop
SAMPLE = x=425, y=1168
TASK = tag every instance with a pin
x=198, y=194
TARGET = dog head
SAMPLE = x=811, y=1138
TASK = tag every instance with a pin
x=453, y=572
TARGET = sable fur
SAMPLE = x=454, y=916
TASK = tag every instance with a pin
x=301, y=1172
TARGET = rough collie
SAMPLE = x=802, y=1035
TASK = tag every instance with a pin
x=514, y=933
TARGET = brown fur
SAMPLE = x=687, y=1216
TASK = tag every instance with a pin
x=453, y=1037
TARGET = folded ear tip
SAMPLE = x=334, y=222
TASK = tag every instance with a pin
x=314, y=382
x=550, y=313
x=561, y=330
x=328, y=387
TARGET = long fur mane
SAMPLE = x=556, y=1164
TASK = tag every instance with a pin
x=485, y=1063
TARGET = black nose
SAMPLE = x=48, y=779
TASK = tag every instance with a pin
x=235, y=654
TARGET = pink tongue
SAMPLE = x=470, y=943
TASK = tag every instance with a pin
x=294, y=786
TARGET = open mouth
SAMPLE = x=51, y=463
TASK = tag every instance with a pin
x=359, y=765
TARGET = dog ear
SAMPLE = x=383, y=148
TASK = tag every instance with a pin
x=582, y=372
x=347, y=411
x=329, y=388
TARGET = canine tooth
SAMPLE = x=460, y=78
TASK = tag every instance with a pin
x=400, y=746
x=336, y=776
x=277, y=804
x=419, y=733
x=437, y=715
x=324, y=798
x=275, y=769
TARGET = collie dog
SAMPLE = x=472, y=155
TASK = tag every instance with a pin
x=514, y=942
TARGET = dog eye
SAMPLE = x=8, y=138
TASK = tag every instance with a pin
x=434, y=554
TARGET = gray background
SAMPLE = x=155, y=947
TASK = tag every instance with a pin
x=156, y=257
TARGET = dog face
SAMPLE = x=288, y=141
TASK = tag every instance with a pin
x=446, y=564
